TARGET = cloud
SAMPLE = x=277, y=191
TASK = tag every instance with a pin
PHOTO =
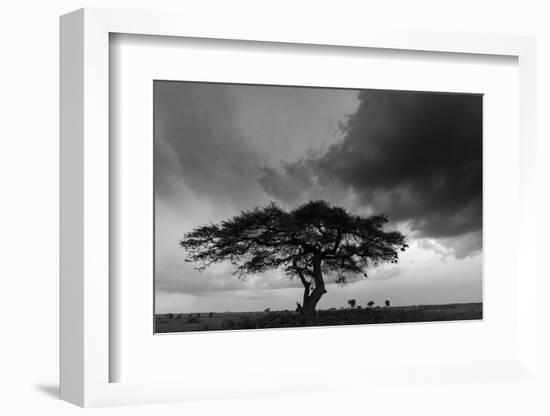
x=290, y=185
x=180, y=277
x=210, y=142
x=385, y=273
x=415, y=156
x=177, y=276
x=214, y=138
x=465, y=245
x=198, y=143
x=220, y=148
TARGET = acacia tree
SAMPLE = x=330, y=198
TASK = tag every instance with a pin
x=310, y=242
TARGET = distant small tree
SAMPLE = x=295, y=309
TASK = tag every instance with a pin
x=309, y=242
x=387, y=302
x=370, y=304
x=267, y=310
x=351, y=303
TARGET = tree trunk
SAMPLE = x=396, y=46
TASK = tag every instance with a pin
x=310, y=300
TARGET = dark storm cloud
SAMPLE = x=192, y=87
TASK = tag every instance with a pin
x=415, y=156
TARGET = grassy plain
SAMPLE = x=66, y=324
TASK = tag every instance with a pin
x=213, y=321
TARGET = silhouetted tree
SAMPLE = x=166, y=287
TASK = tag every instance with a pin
x=370, y=304
x=387, y=302
x=351, y=303
x=309, y=242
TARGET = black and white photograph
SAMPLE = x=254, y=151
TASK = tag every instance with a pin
x=291, y=206
x=254, y=208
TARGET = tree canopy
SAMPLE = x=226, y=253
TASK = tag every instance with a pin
x=311, y=241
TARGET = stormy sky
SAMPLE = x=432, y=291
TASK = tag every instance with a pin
x=415, y=156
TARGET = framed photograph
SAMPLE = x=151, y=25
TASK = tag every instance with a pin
x=239, y=206
x=286, y=193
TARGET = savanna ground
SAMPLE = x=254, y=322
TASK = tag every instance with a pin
x=212, y=321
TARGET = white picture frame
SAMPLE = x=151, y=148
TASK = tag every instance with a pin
x=85, y=229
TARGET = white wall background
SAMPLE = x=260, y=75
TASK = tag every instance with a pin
x=29, y=205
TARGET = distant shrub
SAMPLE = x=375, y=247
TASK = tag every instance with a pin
x=370, y=304
x=210, y=314
x=192, y=320
x=387, y=303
